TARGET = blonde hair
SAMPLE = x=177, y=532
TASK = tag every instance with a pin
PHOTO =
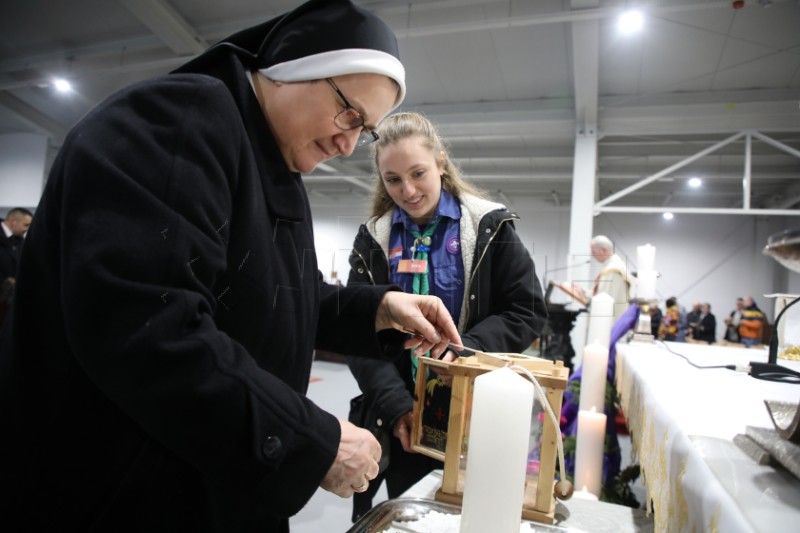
x=400, y=126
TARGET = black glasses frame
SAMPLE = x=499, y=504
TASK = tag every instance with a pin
x=351, y=118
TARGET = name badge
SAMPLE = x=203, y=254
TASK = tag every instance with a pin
x=412, y=266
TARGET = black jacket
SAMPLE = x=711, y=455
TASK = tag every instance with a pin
x=154, y=374
x=503, y=310
x=706, y=330
x=9, y=255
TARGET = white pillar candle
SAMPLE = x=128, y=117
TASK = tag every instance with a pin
x=601, y=318
x=589, y=450
x=497, y=454
x=584, y=494
x=646, y=258
x=646, y=285
x=593, y=377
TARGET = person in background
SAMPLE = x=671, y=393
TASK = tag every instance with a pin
x=670, y=322
x=655, y=320
x=683, y=323
x=732, y=322
x=613, y=279
x=466, y=252
x=751, y=325
x=693, y=318
x=706, y=328
x=154, y=368
x=15, y=226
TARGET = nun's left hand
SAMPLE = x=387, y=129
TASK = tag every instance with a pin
x=425, y=317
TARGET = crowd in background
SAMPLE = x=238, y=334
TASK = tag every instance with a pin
x=744, y=325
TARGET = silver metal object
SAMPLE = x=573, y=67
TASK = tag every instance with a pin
x=784, y=247
x=643, y=331
x=403, y=512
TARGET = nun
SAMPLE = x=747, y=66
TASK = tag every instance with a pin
x=154, y=368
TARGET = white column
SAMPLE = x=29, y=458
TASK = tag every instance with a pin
x=585, y=43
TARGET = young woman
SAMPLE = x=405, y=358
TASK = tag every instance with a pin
x=431, y=232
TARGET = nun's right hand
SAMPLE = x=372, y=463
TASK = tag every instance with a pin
x=356, y=462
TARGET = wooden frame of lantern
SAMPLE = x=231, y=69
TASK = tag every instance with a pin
x=539, y=502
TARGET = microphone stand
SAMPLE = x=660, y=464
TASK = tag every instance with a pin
x=770, y=370
x=563, y=268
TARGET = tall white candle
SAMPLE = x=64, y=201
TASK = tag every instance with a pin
x=646, y=285
x=497, y=454
x=584, y=494
x=601, y=318
x=646, y=258
x=593, y=377
x=589, y=450
x=646, y=275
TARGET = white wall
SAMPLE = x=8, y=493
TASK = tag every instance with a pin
x=334, y=231
x=22, y=163
x=708, y=258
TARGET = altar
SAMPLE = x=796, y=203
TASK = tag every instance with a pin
x=683, y=421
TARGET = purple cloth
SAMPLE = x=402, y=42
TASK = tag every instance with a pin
x=569, y=408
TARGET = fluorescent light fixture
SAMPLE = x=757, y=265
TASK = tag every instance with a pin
x=630, y=21
x=62, y=85
x=668, y=216
x=695, y=182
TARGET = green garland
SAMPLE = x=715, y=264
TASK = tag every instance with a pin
x=619, y=492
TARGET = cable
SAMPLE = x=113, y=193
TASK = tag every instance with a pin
x=729, y=367
x=773, y=340
x=755, y=369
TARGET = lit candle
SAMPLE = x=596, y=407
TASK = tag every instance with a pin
x=584, y=494
x=601, y=319
x=646, y=258
x=589, y=450
x=497, y=453
x=593, y=377
x=646, y=285
x=646, y=275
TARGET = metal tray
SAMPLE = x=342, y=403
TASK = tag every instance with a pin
x=380, y=517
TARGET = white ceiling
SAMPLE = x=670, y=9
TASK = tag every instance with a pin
x=510, y=83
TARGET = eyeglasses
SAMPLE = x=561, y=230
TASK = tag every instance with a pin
x=349, y=119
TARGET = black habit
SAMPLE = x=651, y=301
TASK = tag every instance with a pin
x=154, y=374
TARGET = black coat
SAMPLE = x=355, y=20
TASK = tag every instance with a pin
x=706, y=329
x=154, y=376
x=9, y=255
x=505, y=307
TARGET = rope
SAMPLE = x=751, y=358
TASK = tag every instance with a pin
x=556, y=424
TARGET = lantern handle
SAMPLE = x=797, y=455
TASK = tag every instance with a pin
x=556, y=424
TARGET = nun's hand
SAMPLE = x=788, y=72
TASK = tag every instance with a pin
x=425, y=317
x=356, y=462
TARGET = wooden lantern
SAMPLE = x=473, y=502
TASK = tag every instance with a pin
x=538, y=503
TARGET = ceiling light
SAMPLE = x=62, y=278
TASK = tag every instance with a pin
x=695, y=182
x=630, y=21
x=668, y=216
x=62, y=85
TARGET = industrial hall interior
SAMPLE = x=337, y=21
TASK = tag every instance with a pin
x=204, y=204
